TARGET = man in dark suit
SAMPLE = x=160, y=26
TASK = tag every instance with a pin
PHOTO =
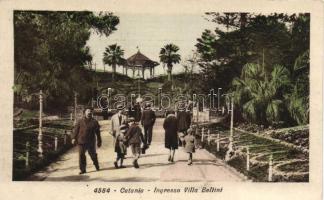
x=137, y=112
x=147, y=121
x=85, y=135
x=184, y=122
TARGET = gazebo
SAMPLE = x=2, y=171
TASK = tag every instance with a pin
x=139, y=62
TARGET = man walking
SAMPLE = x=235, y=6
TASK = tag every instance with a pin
x=85, y=135
x=117, y=120
x=147, y=121
x=184, y=121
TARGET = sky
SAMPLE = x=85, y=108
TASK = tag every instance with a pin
x=150, y=32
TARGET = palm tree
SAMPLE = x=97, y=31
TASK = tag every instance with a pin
x=260, y=94
x=298, y=99
x=169, y=56
x=113, y=56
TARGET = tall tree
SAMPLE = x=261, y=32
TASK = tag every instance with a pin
x=169, y=56
x=53, y=44
x=190, y=65
x=113, y=56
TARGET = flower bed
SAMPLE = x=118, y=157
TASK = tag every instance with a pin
x=298, y=135
x=260, y=150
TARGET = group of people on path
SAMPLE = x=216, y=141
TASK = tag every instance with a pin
x=126, y=132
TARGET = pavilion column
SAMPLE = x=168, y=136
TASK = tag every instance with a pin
x=126, y=69
x=143, y=70
x=151, y=72
x=133, y=72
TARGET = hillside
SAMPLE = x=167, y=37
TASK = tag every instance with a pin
x=126, y=85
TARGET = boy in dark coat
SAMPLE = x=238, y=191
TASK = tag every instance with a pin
x=120, y=146
x=134, y=138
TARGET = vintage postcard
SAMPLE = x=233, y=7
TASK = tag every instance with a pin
x=163, y=100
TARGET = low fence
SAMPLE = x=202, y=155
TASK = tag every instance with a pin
x=54, y=141
x=55, y=144
x=255, y=158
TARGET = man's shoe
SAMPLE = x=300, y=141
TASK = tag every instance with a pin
x=116, y=166
x=135, y=164
x=82, y=172
x=189, y=162
x=169, y=159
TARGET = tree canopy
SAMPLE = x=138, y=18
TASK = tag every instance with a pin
x=243, y=42
x=169, y=56
x=50, y=52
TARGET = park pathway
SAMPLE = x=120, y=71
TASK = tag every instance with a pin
x=154, y=165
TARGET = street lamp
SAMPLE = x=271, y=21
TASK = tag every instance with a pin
x=230, y=145
x=218, y=97
x=139, y=84
x=40, y=131
x=75, y=107
x=40, y=126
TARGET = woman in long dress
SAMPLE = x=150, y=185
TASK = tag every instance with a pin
x=170, y=126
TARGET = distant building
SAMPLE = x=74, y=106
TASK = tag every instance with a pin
x=140, y=63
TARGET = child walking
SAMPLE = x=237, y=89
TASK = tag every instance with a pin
x=120, y=147
x=190, y=144
x=134, y=138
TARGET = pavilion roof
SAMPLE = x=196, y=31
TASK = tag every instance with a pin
x=140, y=60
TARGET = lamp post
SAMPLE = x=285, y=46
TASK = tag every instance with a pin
x=218, y=98
x=75, y=107
x=160, y=98
x=230, y=145
x=108, y=99
x=40, y=131
x=139, y=84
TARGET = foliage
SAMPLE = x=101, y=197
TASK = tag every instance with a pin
x=298, y=99
x=51, y=52
x=169, y=56
x=260, y=93
x=266, y=40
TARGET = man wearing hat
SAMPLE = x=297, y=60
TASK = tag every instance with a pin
x=147, y=121
x=86, y=133
x=117, y=120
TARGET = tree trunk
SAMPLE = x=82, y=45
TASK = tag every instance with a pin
x=114, y=71
x=169, y=72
